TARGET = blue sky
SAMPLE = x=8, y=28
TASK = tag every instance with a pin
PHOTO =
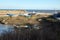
x=30, y=4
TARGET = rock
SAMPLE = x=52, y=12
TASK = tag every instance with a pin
x=6, y=22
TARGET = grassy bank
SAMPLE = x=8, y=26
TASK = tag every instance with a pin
x=19, y=20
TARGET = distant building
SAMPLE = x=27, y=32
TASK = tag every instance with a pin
x=12, y=15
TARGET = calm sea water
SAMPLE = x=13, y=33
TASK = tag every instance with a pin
x=31, y=10
x=5, y=28
x=45, y=11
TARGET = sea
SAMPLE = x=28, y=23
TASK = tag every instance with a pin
x=44, y=11
x=31, y=10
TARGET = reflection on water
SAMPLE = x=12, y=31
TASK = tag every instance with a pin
x=6, y=28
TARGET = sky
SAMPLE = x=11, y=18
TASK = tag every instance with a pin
x=30, y=4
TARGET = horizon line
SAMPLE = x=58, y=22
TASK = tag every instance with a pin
x=29, y=9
